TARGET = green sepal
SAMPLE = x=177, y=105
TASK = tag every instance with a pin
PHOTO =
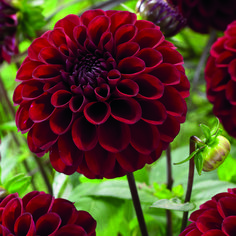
x=198, y=160
x=215, y=127
x=206, y=131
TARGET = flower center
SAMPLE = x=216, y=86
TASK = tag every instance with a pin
x=89, y=70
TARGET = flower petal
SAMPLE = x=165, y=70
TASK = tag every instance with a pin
x=127, y=88
x=125, y=34
x=32, y=90
x=72, y=230
x=127, y=49
x=24, y=225
x=23, y=122
x=228, y=226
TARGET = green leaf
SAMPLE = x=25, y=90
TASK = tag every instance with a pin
x=173, y=204
x=198, y=161
x=206, y=131
x=215, y=126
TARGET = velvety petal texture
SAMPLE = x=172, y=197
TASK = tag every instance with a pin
x=220, y=76
x=8, y=26
x=38, y=213
x=216, y=217
x=103, y=93
x=202, y=15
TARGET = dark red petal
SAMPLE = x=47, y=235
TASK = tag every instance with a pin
x=150, y=87
x=17, y=96
x=39, y=205
x=224, y=59
x=143, y=24
x=24, y=225
x=89, y=15
x=33, y=148
x=173, y=102
x=97, y=27
x=23, y=122
x=130, y=159
x=106, y=42
x=208, y=220
x=51, y=55
x=36, y=46
x=126, y=50
x=69, y=153
x=60, y=98
x=32, y=90
x=167, y=74
x=68, y=23
x=232, y=69
x=83, y=169
x=99, y=161
x=153, y=112
x=218, y=47
x=169, y=129
x=230, y=44
x=230, y=92
x=27, y=198
x=61, y=120
x=149, y=38
x=113, y=77
x=42, y=136
x=229, y=226
x=126, y=110
x=41, y=108
x=87, y=222
x=121, y=18
x=48, y=224
x=7, y=199
x=125, y=34
x=151, y=57
x=57, y=37
x=214, y=232
x=11, y=212
x=227, y=206
x=58, y=164
x=47, y=73
x=65, y=210
x=170, y=55
x=72, y=230
x=127, y=88
x=97, y=112
x=144, y=137
x=80, y=35
x=25, y=71
x=77, y=103
x=84, y=134
x=114, y=136
x=131, y=66
x=4, y=231
x=102, y=92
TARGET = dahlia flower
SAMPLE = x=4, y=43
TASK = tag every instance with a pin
x=220, y=76
x=216, y=217
x=202, y=15
x=162, y=14
x=38, y=213
x=8, y=24
x=103, y=93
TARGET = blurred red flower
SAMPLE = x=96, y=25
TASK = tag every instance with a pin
x=38, y=213
x=216, y=217
x=202, y=15
x=8, y=26
x=104, y=93
x=220, y=75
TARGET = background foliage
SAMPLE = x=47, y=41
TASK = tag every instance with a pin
x=109, y=201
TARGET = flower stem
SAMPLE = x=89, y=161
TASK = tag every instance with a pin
x=137, y=204
x=169, y=186
x=192, y=146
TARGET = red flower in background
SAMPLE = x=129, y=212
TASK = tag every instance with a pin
x=103, y=93
x=8, y=25
x=202, y=15
x=216, y=217
x=220, y=75
x=38, y=213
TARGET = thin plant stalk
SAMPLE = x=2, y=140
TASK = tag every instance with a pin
x=137, y=205
x=192, y=147
x=169, y=231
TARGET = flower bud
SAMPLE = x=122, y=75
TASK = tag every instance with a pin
x=162, y=14
x=215, y=153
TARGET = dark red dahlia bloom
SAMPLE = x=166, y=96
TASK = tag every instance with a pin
x=8, y=25
x=38, y=213
x=103, y=93
x=202, y=15
x=220, y=75
x=162, y=14
x=216, y=217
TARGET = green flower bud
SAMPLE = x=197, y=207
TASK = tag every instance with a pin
x=215, y=153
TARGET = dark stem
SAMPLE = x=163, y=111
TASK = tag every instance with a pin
x=203, y=58
x=192, y=146
x=137, y=205
x=169, y=186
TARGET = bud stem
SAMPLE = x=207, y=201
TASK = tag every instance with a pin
x=192, y=146
x=137, y=204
